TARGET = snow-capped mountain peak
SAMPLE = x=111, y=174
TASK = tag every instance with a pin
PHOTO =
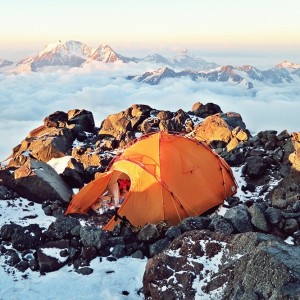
x=67, y=48
x=288, y=65
x=183, y=52
x=105, y=54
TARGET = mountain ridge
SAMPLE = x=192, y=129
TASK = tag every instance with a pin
x=70, y=54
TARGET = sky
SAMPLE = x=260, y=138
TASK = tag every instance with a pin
x=215, y=27
x=237, y=32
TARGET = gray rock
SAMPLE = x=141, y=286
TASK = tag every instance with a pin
x=84, y=271
x=11, y=257
x=193, y=223
x=148, y=233
x=93, y=236
x=118, y=251
x=273, y=215
x=258, y=218
x=290, y=226
x=255, y=167
x=219, y=224
x=173, y=232
x=138, y=254
x=239, y=217
x=28, y=237
x=62, y=227
x=158, y=246
x=38, y=181
x=7, y=231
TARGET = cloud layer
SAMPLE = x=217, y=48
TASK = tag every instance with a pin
x=103, y=89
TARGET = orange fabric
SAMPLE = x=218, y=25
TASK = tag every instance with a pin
x=172, y=177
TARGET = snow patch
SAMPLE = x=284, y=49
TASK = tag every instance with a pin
x=59, y=164
x=55, y=253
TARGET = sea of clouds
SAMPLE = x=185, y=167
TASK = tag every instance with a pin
x=26, y=99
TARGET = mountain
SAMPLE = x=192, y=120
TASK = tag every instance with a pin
x=5, y=63
x=222, y=74
x=245, y=76
x=183, y=60
x=69, y=54
x=288, y=65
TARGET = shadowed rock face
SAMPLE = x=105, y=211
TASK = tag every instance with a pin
x=37, y=181
x=207, y=264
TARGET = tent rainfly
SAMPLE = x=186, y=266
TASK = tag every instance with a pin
x=172, y=177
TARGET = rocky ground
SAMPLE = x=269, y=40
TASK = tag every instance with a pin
x=246, y=249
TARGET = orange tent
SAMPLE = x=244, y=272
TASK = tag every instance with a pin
x=172, y=177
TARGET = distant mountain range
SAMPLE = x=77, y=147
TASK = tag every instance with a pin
x=75, y=54
x=244, y=76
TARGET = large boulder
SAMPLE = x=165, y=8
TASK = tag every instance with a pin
x=205, y=110
x=118, y=124
x=42, y=144
x=227, y=128
x=37, y=181
x=54, y=138
x=209, y=265
x=82, y=119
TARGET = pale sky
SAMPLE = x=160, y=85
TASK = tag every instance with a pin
x=210, y=25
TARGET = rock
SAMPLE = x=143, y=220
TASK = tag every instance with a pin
x=273, y=215
x=150, y=125
x=116, y=125
x=28, y=237
x=241, y=268
x=57, y=119
x=82, y=119
x=290, y=226
x=43, y=143
x=49, y=257
x=93, y=237
x=138, y=254
x=37, y=181
x=192, y=223
x=173, y=232
x=84, y=271
x=8, y=230
x=62, y=227
x=172, y=276
x=158, y=246
x=287, y=191
x=5, y=193
x=22, y=266
x=118, y=251
x=11, y=257
x=205, y=110
x=213, y=128
x=148, y=233
x=69, y=169
x=252, y=272
x=257, y=218
x=255, y=167
x=220, y=224
x=88, y=253
x=239, y=218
